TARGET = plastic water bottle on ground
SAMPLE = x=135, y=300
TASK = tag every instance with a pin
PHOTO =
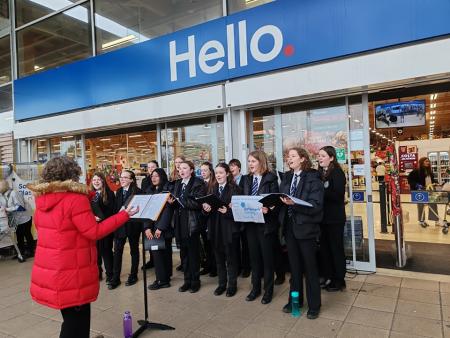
x=127, y=325
x=295, y=304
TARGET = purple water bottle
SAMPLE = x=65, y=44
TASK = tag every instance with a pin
x=127, y=325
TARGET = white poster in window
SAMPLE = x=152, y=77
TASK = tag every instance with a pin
x=356, y=139
x=358, y=170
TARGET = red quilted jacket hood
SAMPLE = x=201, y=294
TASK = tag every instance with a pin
x=65, y=272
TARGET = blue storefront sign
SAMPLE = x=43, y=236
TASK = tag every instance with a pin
x=419, y=196
x=277, y=35
x=358, y=196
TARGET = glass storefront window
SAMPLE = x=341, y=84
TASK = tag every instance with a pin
x=30, y=10
x=200, y=141
x=40, y=150
x=4, y=15
x=5, y=60
x=60, y=39
x=120, y=23
x=240, y=5
x=111, y=154
x=263, y=126
x=6, y=98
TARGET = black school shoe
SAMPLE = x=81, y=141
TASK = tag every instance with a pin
x=253, y=295
x=131, y=280
x=184, y=287
x=231, y=291
x=219, y=290
x=288, y=307
x=156, y=285
x=267, y=298
x=113, y=284
x=195, y=287
x=335, y=286
x=312, y=314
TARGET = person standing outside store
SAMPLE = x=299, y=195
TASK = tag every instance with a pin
x=65, y=272
x=261, y=236
x=131, y=230
x=422, y=178
x=301, y=227
x=146, y=182
x=103, y=207
x=175, y=175
x=188, y=224
x=244, y=266
x=332, y=255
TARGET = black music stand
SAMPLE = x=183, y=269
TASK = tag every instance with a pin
x=145, y=324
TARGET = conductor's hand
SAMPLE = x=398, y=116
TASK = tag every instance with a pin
x=171, y=200
x=287, y=201
x=130, y=211
x=265, y=210
x=158, y=233
x=206, y=207
x=148, y=234
x=222, y=210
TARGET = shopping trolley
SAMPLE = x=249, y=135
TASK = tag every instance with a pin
x=434, y=197
x=8, y=236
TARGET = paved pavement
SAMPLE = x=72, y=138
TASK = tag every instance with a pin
x=372, y=306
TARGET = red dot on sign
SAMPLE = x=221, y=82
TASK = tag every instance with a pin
x=289, y=50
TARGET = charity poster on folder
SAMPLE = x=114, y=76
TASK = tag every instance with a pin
x=247, y=209
x=150, y=206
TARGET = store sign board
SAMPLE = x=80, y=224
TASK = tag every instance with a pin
x=273, y=36
x=419, y=197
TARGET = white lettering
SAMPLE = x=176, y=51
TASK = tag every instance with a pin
x=204, y=56
x=230, y=47
x=188, y=56
x=277, y=43
x=243, y=43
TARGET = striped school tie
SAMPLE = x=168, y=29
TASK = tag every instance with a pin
x=254, y=187
x=220, y=191
x=292, y=191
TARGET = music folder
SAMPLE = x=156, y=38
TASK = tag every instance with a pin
x=154, y=244
x=150, y=206
x=214, y=201
x=274, y=199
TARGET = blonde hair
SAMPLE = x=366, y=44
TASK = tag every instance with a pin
x=261, y=157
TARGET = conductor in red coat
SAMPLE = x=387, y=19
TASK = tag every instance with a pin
x=65, y=271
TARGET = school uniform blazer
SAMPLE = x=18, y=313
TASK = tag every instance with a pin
x=195, y=188
x=307, y=219
x=217, y=221
x=268, y=184
x=132, y=227
x=108, y=209
x=334, y=197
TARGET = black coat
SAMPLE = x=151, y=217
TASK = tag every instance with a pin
x=164, y=222
x=269, y=184
x=416, y=178
x=146, y=183
x=102, y=210
x=307, y=219
x=188, y=219
x=221, y=227
x=334, y=197
x=132, y=227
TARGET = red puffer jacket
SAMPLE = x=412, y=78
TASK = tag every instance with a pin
x=65, y=272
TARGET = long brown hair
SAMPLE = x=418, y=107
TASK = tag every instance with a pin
x=261, y=157
x=333, y=164
x=425, y=170
x=212, y=176
x=174, y=174
x=191, y=165
x=306, y=164
x=105, y=191
x=133, y=185
x=226, y=167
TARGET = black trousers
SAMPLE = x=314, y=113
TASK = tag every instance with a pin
x=23, y=232
x=163, y=262
x=244, y=252
x=261, y=249
x=76, y=322
x=190, y=253
x=280, y=258
x=105, y=255
x=227, y=259
x=208, y=259
x=303, y=261
x=332, y=255
x=119, y=244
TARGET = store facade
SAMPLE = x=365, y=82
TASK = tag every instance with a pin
x=240, y=82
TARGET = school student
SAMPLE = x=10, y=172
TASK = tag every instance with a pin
x=188, y=224
x=223, y=232
x=261, y=236
x=301, y=227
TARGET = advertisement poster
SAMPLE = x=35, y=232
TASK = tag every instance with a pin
x=408, y=160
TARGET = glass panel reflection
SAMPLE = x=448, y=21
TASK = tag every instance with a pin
x=6, y=98
x=30, y=10
x=5, y=60
x=4, y=14
x=240, y=5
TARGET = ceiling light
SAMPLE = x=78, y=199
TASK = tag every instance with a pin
x=432, y=112
x=119, y=41
x=105, y=139
x=357, y=121
x=432, y=117
x=433, y=105
x=134, y=136
x=433, y=96
x=262, y=120
x=67, y=137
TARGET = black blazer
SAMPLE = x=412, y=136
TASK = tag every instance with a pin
x=269, y=184
x=307, y=219
x=132, y=227
x=146, y=183
x=417, y=177
x=195, y=188
x=223, y=223
x=334, y=197
x=102, y=210
x=164, y=222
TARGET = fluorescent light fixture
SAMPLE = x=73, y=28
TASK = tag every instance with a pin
x=432, y=117
x=137, y=142
x=433, y=96
x=36, y=67
x=67, y=137
x=357, y=121
x=118, y=42
x=262, y=120
x=135, y=135
x=432, y=112
x=105, y=139
x=433, y=105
